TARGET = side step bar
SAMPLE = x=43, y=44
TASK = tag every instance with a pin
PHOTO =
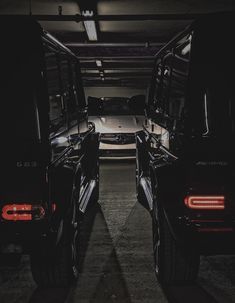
x=86, y=195
x=145, y=184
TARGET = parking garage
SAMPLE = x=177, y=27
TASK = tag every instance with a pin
x=115, y=43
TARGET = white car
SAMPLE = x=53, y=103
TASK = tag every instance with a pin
x=117, y=120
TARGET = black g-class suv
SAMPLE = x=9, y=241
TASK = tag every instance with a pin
x=49, y=152
x=185, y=153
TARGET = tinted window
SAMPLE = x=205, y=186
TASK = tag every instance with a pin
x=179, y=82
x=57, y=101
x=212, y=79
x=75, y=101
x=158, y=80
x=115, y=106
x=65, y=97
x=170, y=85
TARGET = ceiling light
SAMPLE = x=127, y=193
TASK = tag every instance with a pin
x=90, y=26
x=98, y=63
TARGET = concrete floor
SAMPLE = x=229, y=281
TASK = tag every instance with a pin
x=116, y=257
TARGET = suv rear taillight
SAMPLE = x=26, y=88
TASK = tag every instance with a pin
x=204, y=202
x=22, y=212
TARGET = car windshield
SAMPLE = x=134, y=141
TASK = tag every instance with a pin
x=115, y=106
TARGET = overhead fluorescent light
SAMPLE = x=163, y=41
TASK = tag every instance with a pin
x=90, y=26
x=98, y=63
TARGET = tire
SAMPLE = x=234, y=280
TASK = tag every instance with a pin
x=57, y=266
x=172, y=265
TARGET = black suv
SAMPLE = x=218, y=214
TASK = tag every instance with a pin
x=49, y=152
x=185, y=153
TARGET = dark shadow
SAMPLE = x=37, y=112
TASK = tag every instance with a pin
x=101, y=278
x=189, y=293
x=9, y=271
x=59, y=295
x=111, y=286
x=49, y=295
x=143, y=202
x=86, y=230
x=117, y=160
x=220, y=264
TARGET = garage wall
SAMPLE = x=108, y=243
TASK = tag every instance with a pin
x=113, y=91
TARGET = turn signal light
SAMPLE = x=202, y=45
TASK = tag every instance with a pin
x=204, y=202
x=22, y=212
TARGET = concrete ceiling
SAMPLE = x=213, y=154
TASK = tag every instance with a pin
x=125, y=48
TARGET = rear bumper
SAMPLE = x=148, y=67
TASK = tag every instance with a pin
x=25, y=234
x=205, y=236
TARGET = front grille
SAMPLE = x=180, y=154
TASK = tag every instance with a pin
x=118, y=138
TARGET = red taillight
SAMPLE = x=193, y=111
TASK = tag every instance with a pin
x=53, y=206
x=22, y=212
x=204, y=202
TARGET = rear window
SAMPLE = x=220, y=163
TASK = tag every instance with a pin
x=212, y=85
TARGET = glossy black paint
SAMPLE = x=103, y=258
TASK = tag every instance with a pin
x=187, y=144
x=50, y=152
